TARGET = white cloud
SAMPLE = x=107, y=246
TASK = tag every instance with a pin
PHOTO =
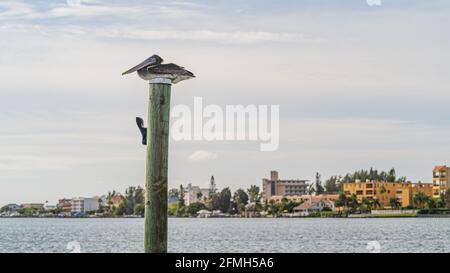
x=201, y=155
x=73, y=2
x=81, y=10
x=41, y=163
x=136, y=33
x=10, y=10
x=15, y=10
x=131, y=26
x=201, y=35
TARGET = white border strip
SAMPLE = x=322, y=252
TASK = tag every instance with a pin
x=161, y=80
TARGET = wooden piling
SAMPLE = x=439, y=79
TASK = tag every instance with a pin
x=155, y=240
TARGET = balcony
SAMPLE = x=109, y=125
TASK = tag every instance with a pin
x=439, y=175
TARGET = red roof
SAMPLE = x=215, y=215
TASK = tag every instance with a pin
x=441, y=168
x=117, y=199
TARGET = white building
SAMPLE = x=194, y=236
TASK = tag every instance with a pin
x=83, y=204
x=49, y=206
x=195, y=194
x=314, y=204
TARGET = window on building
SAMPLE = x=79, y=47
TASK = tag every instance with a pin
x=272, y=188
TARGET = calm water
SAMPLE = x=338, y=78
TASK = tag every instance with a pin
x=229, y=235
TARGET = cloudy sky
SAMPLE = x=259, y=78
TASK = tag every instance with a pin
x=358, y=86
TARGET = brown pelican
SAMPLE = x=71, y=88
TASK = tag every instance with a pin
x=152, y=68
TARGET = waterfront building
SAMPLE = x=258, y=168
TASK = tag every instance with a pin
x=11, y=207
x=385, y=191
x=84, y=205
x=303, y=198
x=251, y=210
x=65, y=205
x=203, y=213
x=104, y=200
x=314, y=204
x=277, y=187
x=116, y=200
x=441, y=180
x=38, y=206
x=48, y=207
x=195, y=194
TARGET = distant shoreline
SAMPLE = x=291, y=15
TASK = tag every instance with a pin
x=355, y=216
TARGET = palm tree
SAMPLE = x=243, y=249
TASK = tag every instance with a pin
x=353, y=202
x=419, y=199
x=342, y=200
x=376, y=203
x=272, y=207
x=430, y=202
x=253, y=194
x=395, y=204
x=440, y=202
x=446, y=199
x=199, y=195
x=311, y=189
x=109, y=199
x=366, y=204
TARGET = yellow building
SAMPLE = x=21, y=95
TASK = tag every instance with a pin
x=440, y=180
x=413, y=188
x=384, y=191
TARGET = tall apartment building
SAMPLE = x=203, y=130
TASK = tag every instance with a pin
x=83, y=204
x=441, y=180
x=384, y=191
x=277, y=187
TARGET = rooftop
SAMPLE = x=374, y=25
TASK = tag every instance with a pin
x=440, y=168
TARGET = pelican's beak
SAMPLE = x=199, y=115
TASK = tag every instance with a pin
x=148, y=62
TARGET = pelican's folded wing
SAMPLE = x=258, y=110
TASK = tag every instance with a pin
x=170, y=69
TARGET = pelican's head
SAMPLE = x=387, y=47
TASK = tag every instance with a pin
x=151, y=61
x=155, y=59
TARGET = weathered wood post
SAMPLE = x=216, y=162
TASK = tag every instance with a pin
x=156, y=137
x=155, y=238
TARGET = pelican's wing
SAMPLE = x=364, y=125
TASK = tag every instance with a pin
x=147, y=62
x=170, y=69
